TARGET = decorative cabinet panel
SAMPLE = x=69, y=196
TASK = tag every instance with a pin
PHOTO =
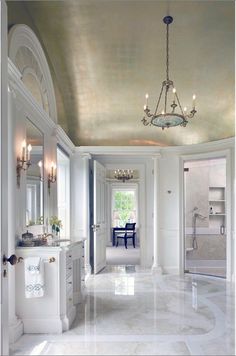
x=64, y=288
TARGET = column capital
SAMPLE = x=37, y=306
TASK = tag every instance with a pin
x=156, y=156
x=86, y=156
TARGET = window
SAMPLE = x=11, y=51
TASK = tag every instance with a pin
x=63, y=191
x=123, y=207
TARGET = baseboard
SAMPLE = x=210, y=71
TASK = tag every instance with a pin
x=16, y=330
x=157, y=269
x=42, y=326
x=68, y=319
x=171, y=270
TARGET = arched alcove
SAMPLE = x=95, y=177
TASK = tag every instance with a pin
x=27, y=54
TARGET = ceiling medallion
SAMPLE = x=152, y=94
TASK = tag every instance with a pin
x=172, y=113
x=123, y=174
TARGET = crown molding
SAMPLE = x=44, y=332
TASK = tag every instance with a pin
x=157, y=152
x=64, y=140
x=120, y=150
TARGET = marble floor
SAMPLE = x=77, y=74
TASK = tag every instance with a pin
x=129, y=311
x=121, y=256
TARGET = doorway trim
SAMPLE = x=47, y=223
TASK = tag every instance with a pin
x=229, y=208
x=141, y=198
x=4, y=184
x=128, y=186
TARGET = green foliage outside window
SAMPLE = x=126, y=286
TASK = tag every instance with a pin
x=124, y=206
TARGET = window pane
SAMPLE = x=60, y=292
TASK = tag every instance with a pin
x=123, y=208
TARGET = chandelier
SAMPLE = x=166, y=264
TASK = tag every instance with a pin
x=123, y=174
x=171, y=112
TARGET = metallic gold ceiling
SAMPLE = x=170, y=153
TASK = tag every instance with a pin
x=105, y=55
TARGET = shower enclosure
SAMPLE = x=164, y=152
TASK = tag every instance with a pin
x=205, y=216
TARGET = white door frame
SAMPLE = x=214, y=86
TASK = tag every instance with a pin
x=123, y=186
x=204, y=156
x=4, y=342
x=141, y=198
x=99, y=217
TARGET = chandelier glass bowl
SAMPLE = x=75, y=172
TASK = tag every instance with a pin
x=168, y=111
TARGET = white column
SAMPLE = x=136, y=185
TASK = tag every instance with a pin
x=86, y=208
x=156, y=268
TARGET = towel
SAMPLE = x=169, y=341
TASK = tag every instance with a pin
x=34, y=277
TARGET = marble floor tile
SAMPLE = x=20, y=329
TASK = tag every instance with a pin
x=130, y=311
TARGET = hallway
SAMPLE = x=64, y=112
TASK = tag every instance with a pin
x=120, y=256
x=128, y=311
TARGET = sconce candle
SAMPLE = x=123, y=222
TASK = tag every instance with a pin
x=52, y=176
x=24, y=161
x=29, y=149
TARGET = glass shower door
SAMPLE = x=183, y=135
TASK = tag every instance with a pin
x=205, y=216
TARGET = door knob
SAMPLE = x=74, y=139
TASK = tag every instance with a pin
x=12, y=260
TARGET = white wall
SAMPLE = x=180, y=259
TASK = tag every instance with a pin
x=170, y=188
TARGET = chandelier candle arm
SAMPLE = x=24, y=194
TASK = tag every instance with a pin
x=164, y=116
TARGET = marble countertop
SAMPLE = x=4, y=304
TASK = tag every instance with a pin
x=56, y=244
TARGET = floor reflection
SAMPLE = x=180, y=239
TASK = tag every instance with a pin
x=130, y=311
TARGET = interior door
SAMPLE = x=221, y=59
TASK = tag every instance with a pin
x=99, y=224
x=4, y=343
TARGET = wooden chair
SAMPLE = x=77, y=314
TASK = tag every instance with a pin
x=128, y=234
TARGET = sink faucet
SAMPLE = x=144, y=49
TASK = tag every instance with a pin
x=47, y=235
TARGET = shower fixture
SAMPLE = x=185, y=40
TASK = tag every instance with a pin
x=195, y=216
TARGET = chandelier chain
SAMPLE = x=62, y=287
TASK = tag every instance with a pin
x=167, y=52
x=158, y=102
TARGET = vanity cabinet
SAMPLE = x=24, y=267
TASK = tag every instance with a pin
x=64, y=288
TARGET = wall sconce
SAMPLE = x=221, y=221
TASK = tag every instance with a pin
x=52, y=177
x=23, y=162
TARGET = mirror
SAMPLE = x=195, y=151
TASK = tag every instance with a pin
x=34, y=176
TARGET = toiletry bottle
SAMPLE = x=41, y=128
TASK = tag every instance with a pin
x=211, y=210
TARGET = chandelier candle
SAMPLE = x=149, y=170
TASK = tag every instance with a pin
x=172, y=113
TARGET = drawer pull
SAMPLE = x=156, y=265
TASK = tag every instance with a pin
x=70, y=256
x=70, y=299
x=70, y=282
x=70, y=268
x=83, y=256
x=82, y=280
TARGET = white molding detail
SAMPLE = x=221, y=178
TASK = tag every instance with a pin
x=171, y=270
x=157, y=269
x=157, y=151
x=13, y=70
x=21, y=36
x=64, y=140
x=23, y=96
x=43, y=326
x=119, y=150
